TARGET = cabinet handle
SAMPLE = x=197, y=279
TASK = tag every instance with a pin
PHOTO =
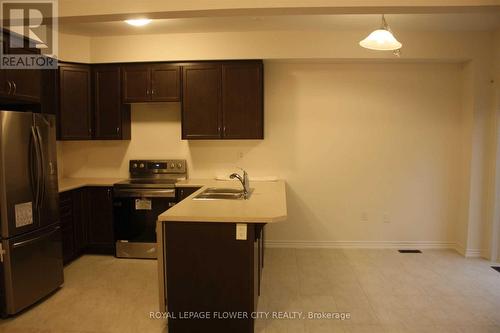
x=224, y=129
x=118, y=130
x=147, y=92
x=152, y=91
x=15, y=87
x=109, y=193
x=10, y=87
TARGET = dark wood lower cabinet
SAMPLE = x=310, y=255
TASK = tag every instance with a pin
x=72, y=213
x=184, y=192
x=86, y=216
x=67, y=226
x=100, y=223
x=209, y=271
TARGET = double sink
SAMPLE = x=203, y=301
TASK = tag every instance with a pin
x=218, y=193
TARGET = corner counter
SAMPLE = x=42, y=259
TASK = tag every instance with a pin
x=211, y=256
x=267, y=204
x=68, y=184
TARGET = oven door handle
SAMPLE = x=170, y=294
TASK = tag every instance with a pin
x=144, y=193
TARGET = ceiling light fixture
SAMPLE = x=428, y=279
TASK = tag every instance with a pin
x=382, y=39
x=138, y=22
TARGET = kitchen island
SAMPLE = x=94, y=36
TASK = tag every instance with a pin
x=210, y=256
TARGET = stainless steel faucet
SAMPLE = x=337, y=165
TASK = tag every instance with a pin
x=244, y=181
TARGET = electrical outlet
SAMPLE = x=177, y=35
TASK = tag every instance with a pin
x=364, y=217
x=387, y=218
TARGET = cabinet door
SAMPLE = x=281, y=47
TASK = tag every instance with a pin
x=66, y=216
x=74, y=102
x=80, y=219
x=165, y=83
x=184, y=192
x=26, y=84
x=242, y=109
x=4, y=84
x=49, y=93
x=100, y=226
x=201, y=102
x=109, y=112
x=136, y=84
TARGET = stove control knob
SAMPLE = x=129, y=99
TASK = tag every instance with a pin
x=172, y=165
x=141, y=165
x=179, y=166
x=134, y=165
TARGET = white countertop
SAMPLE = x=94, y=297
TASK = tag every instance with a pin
x=67, y=184
x=267, y=204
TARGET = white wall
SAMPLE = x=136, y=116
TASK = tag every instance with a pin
x=194, y=8
x=74, y=48
x=471, y=50
x=349, y=138
x=495, y=229
x=423, y=46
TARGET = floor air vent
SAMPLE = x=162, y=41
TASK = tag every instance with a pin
x=496, y=268
x=410, y=251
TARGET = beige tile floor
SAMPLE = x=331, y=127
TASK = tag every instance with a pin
x=100, y=294
x=382, y=290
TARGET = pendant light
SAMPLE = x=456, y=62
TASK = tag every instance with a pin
x=382, y=39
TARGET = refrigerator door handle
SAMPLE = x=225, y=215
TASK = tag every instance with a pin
x=33, y=240
x=41, y=176
x=38, y=171
x=2, y=252
x=33, y=176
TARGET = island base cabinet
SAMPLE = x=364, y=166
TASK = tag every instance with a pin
x=208, y=272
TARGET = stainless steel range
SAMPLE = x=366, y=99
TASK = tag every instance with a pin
x=139, y=200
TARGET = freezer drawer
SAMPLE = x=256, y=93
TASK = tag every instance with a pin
x=32, y=268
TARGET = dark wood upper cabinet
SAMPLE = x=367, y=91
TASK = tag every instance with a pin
x=136, y=82
x=201, y=101
x=75, y=102
x=111, y=117
x=151, y=83
x=242, y=109
x=19, y=86
x=165, y=83
x=49, y=96
x=4, y=85
x=220, y=99
x=25, y=84
x=223, y=100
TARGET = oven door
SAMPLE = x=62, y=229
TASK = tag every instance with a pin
x=135, y=214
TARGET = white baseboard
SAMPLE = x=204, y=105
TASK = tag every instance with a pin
x=474, y=253
x=469, y=253
x=360, y=244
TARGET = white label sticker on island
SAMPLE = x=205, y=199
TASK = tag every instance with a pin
x=142, y=204
x=241, y=231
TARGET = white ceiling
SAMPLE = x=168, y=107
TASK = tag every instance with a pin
x=401, y=22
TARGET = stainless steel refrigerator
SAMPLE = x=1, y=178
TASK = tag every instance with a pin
x=31, y=251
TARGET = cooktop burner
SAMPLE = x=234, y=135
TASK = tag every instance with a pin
x=154, y=174
x=148, y=183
